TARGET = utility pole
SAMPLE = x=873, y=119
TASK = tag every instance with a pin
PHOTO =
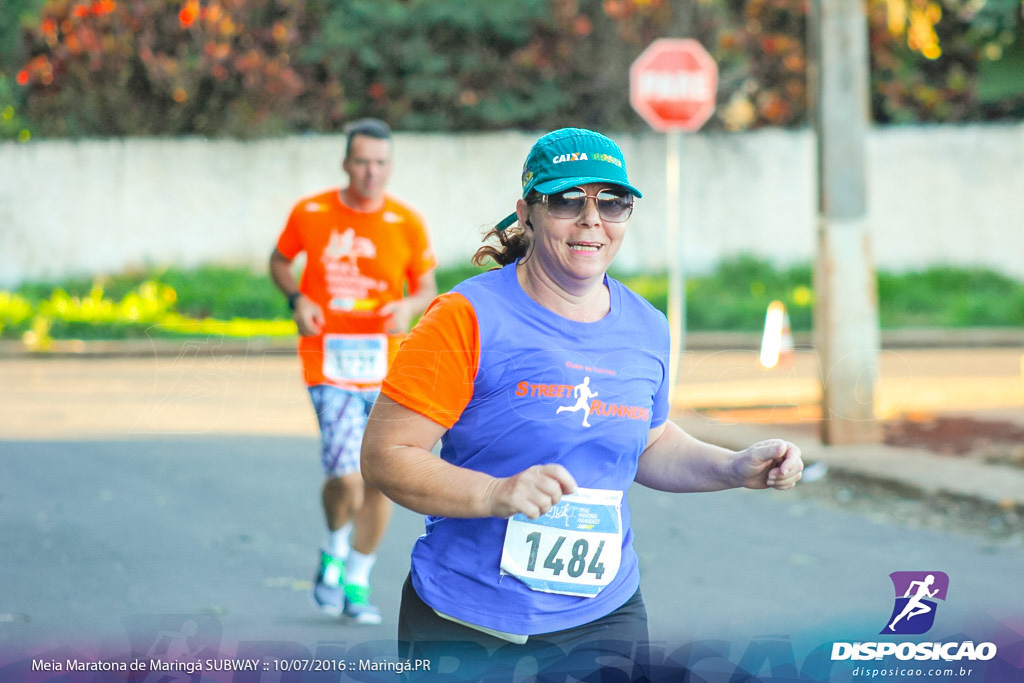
x=846, y=331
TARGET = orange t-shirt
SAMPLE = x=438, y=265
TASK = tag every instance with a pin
x=355, y=262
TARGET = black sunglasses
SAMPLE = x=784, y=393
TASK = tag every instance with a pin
x=613, y=206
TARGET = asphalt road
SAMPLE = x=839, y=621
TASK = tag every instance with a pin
x=141, y=497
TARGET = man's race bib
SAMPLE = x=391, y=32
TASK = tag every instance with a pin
x=355, y=357
x=574, y=549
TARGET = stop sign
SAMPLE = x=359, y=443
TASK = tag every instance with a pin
x=673, y=83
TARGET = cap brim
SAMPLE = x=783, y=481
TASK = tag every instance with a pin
x=553, y=186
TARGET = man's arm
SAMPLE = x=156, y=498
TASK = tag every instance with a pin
x=308, y=316
x=400, y=312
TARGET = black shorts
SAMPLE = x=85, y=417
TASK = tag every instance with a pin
x=614, y=647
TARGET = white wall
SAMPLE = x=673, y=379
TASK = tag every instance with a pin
x=951, y=195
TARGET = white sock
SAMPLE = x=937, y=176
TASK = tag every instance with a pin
x=336, y=543
x=357, y=568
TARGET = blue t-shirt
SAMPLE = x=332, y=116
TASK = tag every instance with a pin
x=610, y=380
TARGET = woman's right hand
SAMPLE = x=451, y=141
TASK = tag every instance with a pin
x=532, y=492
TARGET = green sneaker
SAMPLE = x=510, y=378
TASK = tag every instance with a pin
x=329, y=588
x=358, y=608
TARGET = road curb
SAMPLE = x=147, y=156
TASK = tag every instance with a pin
x=920, y=338
x=146, y=348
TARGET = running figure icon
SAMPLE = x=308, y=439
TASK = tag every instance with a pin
x=915, y=606
x=583, y=394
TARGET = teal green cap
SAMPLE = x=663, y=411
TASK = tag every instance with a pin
x=569, y=157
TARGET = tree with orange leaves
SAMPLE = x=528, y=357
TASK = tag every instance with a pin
x=258, y=67
x=158, y=67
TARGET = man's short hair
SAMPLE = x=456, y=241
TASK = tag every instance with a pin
x=374, y=128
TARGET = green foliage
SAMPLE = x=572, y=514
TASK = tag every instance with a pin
x=208, y=291
x=15, y=17
x=63, y=315
x=736, y=295
x=239, y=302
x=969, y=298
x=1001, y=59
x=13, y=126
x=456, y=65
x=39, y=313
x=15, y=315
x=541, y=64
x=244, y=68
x=449, y=277
x=221, y=292
x=954, y=61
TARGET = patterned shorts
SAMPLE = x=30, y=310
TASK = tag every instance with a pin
x=342, y=416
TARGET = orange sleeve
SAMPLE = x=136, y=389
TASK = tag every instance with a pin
x=435, y=367
x=290, y=241
x=423, y=257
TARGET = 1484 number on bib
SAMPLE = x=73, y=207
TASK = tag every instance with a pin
x=574, y=549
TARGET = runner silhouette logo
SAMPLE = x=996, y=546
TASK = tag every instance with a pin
x=916, y=595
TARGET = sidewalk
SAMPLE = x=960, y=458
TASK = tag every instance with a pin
x=926, y=473
x=734, y=403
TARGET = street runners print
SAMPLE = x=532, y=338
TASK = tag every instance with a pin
x=916, y=603
x=583, y=398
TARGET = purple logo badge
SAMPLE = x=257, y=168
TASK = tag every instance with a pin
x=916, y=593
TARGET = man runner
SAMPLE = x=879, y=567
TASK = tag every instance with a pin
x=369, y=271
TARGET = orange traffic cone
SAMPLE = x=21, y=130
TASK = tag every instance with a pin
x=777, y=341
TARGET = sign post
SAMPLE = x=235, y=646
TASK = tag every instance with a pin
x=673, y=86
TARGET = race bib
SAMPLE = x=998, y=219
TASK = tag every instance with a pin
x=574, y=549
x=355, y=357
